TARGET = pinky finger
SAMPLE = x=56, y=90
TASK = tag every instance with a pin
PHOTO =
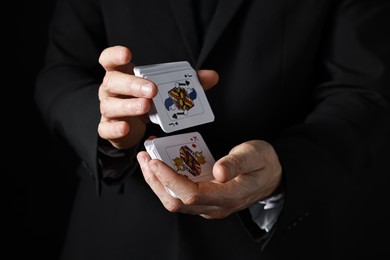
x=112, y=130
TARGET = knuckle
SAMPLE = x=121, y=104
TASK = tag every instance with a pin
x=192, y=199
x=103, y=106
x=148, y=179
x=106, y=81
x=144, y=106
x=172, y=205
x=235, y=164
x=130, y=106
x=101, y=57
x=101, y=130
x=130, y=83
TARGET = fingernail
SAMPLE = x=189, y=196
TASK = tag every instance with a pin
x=141, y=159
x=146, y=90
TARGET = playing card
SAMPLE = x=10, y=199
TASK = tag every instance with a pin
x=186, y=153
x=181, y=101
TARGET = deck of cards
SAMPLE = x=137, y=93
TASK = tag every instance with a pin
x=187, y=153
x=181, y=101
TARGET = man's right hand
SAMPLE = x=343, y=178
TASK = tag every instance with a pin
x=125, y=99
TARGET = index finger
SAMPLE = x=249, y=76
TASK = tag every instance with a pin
x=194, y=194
x=180, y=185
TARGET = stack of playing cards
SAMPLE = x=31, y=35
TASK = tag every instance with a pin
x=187, y=153
x=181, y=101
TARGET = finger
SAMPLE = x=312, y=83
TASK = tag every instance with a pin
x=195, y=198
x=197, y=195
x=170, y=203
x=208, y=78
x=206, y=211
x=177, y=183
x=215, y=213
x=117, y=131
x=116, y=107
x=117, y=83
x=112, y=130
x=116, y=58
x=173, y=197
x=149, y=176
x=244, y=158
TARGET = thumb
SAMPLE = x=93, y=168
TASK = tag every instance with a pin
x=116, y=58
x=243, y=158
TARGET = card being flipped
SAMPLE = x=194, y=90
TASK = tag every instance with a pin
x=186, y=153
x=181, y=101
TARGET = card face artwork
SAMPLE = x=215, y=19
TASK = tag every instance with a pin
x=181, y=101
x=186, y=153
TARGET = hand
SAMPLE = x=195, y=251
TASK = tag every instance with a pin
x=249, y=173
x=125, y=99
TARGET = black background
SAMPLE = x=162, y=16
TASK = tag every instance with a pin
x=41, y=166
x=42, y=197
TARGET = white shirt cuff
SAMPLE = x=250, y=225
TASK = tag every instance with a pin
x=266, y=212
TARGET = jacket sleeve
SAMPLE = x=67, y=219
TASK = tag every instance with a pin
x=67, y=87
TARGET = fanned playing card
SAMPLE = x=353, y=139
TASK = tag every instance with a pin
x=181, y=101
x=187, y=153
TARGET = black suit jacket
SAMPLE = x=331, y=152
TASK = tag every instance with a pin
x=310, y=77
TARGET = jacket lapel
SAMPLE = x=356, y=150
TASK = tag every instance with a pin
x=185, y=19
x=223, y=15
